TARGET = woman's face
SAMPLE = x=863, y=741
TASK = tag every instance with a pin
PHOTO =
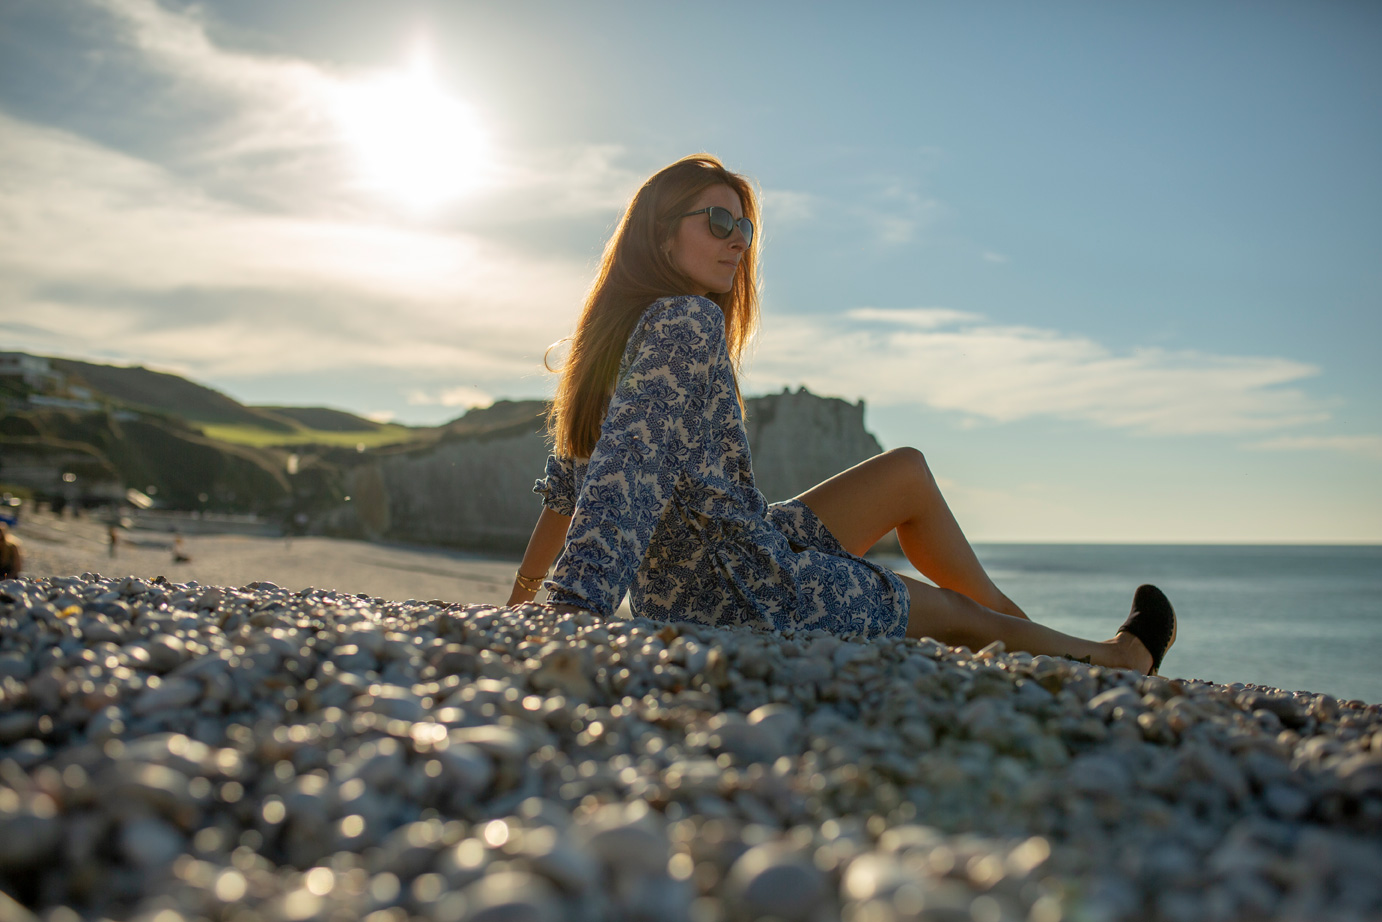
x=706, y=260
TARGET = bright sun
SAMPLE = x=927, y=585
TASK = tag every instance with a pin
x=413, y=142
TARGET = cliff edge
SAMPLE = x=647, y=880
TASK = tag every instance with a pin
x=473, y=487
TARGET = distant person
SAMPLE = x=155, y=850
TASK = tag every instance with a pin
x=649, y=488
x=179, y=551
x=113, y=539
x=296, y=526
x=11, y=554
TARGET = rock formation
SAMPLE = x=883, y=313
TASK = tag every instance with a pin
x=473, y=488
x=799, y=439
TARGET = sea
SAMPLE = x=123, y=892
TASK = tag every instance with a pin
x=1297, y=618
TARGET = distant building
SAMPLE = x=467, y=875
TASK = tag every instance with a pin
x=64, y=403
x=76, y=473
x=35, y=371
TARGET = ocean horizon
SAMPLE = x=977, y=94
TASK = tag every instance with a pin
x=1305, y=617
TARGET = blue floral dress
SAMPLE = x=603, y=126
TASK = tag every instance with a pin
x=666, y=508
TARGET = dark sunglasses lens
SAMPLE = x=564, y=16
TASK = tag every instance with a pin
x=722, y=224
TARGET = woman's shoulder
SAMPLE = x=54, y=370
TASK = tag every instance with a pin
x=694, y=307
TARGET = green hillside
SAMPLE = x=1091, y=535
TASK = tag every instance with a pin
x=222, y=418
x=323, y=419
x=260, y=437
x=500, y=417
x=186, y=469
x=146, y=389
x=196, y=447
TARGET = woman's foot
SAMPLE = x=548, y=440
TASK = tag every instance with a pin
x=1151, y=625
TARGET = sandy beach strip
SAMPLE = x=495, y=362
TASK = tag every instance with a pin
x=58, y=546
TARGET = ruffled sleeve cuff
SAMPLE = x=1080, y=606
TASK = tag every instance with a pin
x=558, y=485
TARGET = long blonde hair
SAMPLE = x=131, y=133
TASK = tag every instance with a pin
x=635, y=271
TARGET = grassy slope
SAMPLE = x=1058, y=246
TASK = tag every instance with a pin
x=260, y=437
x=222, y=418
x=500, y=416
x=164, y=452
x=146, y=389
x=323, y=419
x=503, y=418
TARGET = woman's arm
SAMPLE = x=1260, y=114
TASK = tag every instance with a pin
x=549, y=536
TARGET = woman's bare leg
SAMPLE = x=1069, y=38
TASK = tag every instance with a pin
x=896, y=490
x=958, y=620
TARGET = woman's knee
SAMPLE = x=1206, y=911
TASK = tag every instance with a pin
x=909, y=462
x=906, y=455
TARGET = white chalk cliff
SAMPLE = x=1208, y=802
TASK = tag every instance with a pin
x=473, y=489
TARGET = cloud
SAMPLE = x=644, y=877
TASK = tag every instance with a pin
x=267, y=132
x=923, y=318
x=896, y=210
x=105, y=254
x=249, y=249
x=258, y=127
x=274, y=132
x=789, y=207
x=992, y=257
x=568, y=181
x=887, y=209
x=1369, y=446
x=959, y=361
x=228, y=241
x=451, y=397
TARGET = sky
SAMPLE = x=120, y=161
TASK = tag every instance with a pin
x=1116, y=269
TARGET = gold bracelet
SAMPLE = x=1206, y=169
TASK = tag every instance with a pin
x=524, y=581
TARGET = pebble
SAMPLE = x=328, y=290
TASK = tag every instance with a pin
x=511, y=896
x=150, y=843
x=168, y=695
x=777, y=881
x=181, y=752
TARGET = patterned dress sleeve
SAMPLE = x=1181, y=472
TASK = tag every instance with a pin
x=558, y=485
x=654, y=424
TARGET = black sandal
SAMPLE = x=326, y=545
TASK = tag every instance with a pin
x=1152, y=621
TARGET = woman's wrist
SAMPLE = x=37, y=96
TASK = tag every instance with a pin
x=528, y=583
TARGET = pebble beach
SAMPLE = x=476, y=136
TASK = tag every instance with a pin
x=255, y=748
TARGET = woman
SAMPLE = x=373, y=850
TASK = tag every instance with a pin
x=649, y=488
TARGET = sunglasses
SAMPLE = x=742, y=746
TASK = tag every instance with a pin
x=722, y=223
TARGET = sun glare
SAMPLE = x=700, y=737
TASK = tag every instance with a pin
x=412, y=141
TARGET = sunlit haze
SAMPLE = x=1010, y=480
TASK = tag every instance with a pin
x=413, y=141
x=1112, y=267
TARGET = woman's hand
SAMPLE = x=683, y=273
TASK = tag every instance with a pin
x=566, y=609
x=521, y=596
